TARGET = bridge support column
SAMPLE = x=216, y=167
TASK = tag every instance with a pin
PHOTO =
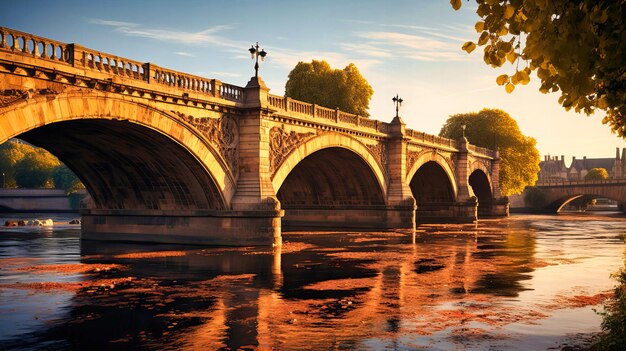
x=466, y=208
x=255, y=191
x=401, y=209
x=499, y=204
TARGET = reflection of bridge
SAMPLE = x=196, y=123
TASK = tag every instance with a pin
x=558, y=194
x=172, y=157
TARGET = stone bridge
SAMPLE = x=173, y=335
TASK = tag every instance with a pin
x=558, y=194
x=172, y=157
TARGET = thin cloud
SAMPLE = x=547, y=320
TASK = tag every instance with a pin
x=182, y=53
x=415, y=47
x=225, y=74
x=205, y=37
x=113, y=23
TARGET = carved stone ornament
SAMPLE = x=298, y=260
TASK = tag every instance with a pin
x=411, y=158
x=223, y=133
x=380, y=153
x=282, y=143
x=12, y=96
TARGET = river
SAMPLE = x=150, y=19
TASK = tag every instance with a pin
x=521, y=283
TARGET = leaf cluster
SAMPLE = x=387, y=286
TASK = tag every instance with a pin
x=318, y=83
x=496, y=129
x=597, y=174
x=27, y=166
x=575, y=47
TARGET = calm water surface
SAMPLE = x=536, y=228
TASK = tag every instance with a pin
x=526, y=282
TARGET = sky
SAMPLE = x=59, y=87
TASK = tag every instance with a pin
x=410, y=47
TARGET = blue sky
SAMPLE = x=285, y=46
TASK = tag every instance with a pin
x=411, y=48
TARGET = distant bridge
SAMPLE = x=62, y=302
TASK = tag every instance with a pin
x=172, y=157
x=558, y=194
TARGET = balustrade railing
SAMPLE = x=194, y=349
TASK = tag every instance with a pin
x=433, y=139
x=51, y=50
x=290, y=105
x=32, y=45
x=481, y=150
x=550, y=183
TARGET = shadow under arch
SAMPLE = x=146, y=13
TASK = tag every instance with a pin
x=429, y=156
x=434, y=193
x=481, y=186
x=331, y=181
x=325, y=141
x=128, y=155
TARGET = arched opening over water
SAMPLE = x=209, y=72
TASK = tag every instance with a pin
x=481, y=187
x=431, y=185
x=433, y=191
x=330, y=187
x=328, y=177
x=128, y=166
x=579, y=202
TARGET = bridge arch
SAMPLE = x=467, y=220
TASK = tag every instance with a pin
x=160, y=163
x=441, y=162
x=557, y=205
x=324, y=144
x=480, y=183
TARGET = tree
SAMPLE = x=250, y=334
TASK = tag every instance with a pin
x=318, y=83
x=65, y=179
x=10, y=153
x=576, y=47
x=35, y=169
x=597, y=174
x=534, y=197
x=492, y=128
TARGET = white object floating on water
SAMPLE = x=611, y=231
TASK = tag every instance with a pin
x=43, y=222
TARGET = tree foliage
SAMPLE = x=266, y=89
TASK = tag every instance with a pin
x=28, y=166
x=576, y=47
x=35, y=169
x=318, y=83
x=597, y=174
x=65, y=179
x=534, y=198
x=492, y=128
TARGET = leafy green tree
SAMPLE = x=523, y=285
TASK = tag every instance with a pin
x=493, y=128
x=597, y=174
x=65, y=179
x=318, y=83
x=10, y=153
x=534, y=198
x=576, y=47
x=35, y=169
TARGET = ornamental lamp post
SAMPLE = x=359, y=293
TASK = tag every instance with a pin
x=397, y=101
x=255, y=53
x=4, y=183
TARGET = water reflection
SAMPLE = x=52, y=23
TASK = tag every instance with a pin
x=444, y=286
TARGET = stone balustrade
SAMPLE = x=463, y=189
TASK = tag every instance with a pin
x=42, y=48
x=31, y=45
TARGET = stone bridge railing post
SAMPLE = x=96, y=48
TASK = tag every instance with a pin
x=399, y=196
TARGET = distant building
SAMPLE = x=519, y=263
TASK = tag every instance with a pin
x=553, y=169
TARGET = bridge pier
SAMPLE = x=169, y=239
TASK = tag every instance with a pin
x=235, y=228
x=349, y=217
x=448, y=212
